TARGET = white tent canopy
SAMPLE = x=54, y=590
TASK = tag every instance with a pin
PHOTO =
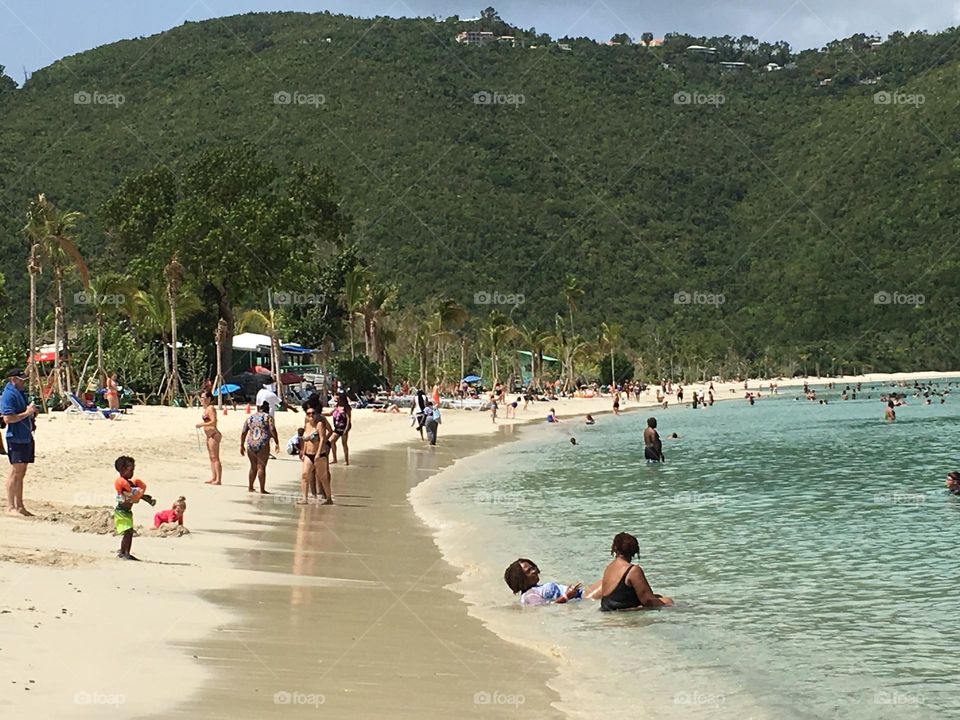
x=250, y=342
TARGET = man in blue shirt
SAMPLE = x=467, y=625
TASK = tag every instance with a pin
x=18, y=414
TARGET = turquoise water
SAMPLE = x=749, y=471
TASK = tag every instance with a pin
x=812, y=551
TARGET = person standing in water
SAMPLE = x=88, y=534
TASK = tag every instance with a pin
x=624, y=586
x=890, y=415
x=314, y=455
x=652, y=446
x=208, y=422
x=258, y=431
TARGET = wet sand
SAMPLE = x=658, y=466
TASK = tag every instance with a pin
x=384, y=637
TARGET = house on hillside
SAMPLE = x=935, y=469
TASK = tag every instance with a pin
x=475, y=37
x=772, y=67
x=733, y=67
x=507, y=40
x=702, y=50
x=564, y=46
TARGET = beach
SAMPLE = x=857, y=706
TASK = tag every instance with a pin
x=264, y=607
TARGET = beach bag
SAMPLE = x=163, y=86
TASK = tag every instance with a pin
x=293, y=445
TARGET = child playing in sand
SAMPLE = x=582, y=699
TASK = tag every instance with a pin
x=130, y=490
x=173, y=515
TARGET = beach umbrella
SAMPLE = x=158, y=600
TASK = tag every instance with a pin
x=226, y=389
x=472, y=378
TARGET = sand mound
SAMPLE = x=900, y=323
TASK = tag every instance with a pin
x=166, y=530
x=48, y=558
x=98, y=521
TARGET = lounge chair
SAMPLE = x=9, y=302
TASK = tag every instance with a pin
x=77, y=407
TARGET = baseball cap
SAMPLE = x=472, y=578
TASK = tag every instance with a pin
x=17, y=373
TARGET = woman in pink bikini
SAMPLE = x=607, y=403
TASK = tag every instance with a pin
x=208, y=421
x=112, y=394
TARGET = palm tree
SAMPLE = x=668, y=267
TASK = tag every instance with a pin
x=535, y=340
x=355, y=284
x=569, y=347
x=494, y=332
x=376, y=306
x=50, y=232
x=447, y=317
x=572, y=291
x=108, y=293
x=611, y=335
x=173, y=273
x=151, y=311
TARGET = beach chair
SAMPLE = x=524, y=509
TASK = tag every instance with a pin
x=78, y=408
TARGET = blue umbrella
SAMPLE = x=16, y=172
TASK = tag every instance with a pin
x=472, y=378
x=226, y=389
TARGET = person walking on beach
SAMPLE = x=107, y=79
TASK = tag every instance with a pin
x=652, y=446
x=432, y=422
x=255, y=438
x=208, y=423
x=268, y=395
x=624, y=586
x=493, y=408
x=314, y=452
x=19, y=416
x=616, y=401
x=342, y=418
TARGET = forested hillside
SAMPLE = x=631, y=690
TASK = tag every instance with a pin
x=714, y=211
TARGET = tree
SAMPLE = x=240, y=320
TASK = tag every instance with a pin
x=109, y=293
x=611, y=336
x=354, y=293
x=621, y=39
x=173, y=273
x=494, y=332
x=50, y=232
x=447, y=317
x=572, y=291
x=647, y=38
x=232, y=219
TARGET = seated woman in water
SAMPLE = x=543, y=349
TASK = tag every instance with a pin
x=652, y=446
x=523, y=577
x=624, y=586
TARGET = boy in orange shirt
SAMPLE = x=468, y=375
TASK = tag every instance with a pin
x=130, y=490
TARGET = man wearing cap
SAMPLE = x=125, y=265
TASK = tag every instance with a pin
x=18, y=415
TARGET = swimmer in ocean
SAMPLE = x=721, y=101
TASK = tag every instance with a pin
x=890, y=414
x=953, y=483
x=573, y=441
x=523, y=578
x=652, y=446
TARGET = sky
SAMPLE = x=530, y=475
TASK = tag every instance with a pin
x=35, y=33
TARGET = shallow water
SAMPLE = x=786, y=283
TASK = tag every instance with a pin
x=811, y=549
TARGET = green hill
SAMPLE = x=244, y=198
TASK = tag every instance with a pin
x=779, y=204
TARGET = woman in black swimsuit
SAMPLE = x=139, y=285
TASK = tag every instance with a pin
x=314, y=449
x=624, y=586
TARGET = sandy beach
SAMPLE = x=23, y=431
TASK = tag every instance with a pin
x=264, y=607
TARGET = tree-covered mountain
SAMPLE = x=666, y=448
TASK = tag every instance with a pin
x=799, y=215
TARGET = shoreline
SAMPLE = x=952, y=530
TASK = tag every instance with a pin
x=70, y=581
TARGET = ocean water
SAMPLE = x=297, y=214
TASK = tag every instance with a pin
x=811, y=549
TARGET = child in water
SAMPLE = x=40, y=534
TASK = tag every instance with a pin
x=130, y=490
x=953, y=482
x=173, y=515
x=523, y=577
